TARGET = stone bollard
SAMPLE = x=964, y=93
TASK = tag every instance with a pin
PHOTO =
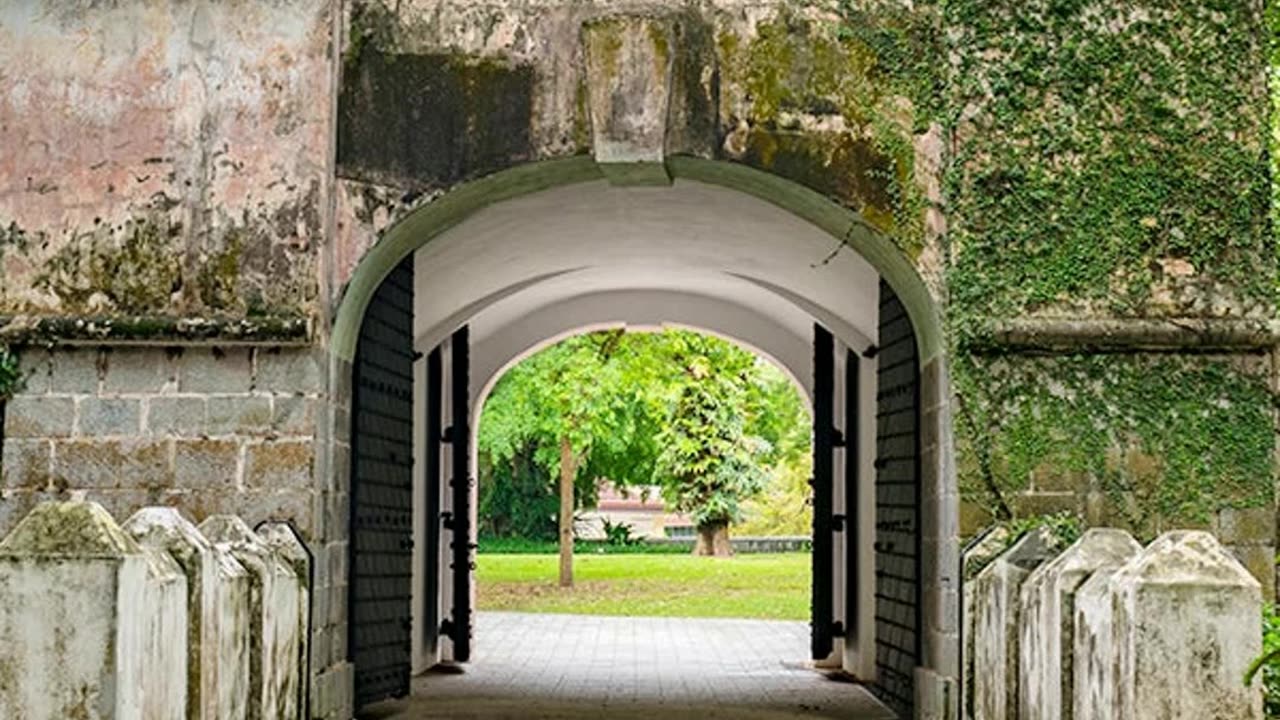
x=973, y=559
x=92, y=625
x=1048, y=620
x=217, y=606
x=284, y=540
x=1093, y=657
x=997, y=622
x=1183, y=628
x=273, y=612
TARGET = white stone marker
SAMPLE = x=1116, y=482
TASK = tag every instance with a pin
x=289, y=548
x=997, y=624
x=1184, y=629
x=1093, y=659
x=217, y=603
x=1048, y=620
x=971, y=562
x=273, y=613
x=91, y=625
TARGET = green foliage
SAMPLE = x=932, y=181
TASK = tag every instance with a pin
x=1268, y=663
x=615, y=396
x=1066, y=527
x=708, y=464
x=1100, y=140
x=490, y=545
x=1168, y=440
x=618, y=533
x=11, y=380
x=517, y=500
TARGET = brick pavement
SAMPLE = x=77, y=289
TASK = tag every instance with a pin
x=572, y=667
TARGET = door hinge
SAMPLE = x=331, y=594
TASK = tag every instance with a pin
x=446, y=520
x=447, y=435
x=837, y=629
x=837, y=438
x=837, y=523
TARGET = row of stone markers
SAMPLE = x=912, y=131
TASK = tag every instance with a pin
x=153, y=620
x=1107, y=630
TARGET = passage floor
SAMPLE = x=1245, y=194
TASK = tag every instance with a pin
x=571, y=667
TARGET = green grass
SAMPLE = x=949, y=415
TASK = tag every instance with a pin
x=765, y=586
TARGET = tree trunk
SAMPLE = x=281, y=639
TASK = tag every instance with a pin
x=567, y=472
x=713, y=539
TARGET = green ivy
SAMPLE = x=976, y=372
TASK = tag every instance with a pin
x=1096, y=139
x=11, y=380
x=1166, y=440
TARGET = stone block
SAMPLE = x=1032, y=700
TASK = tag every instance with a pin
x=1247, y=526
x=39, y=416
x=217, y=604
x=101, y=416
x=136, y=370
x=1184, y=628
x=214, y=370
x=93, y=463
x=994, y=637
x=77, y=371
x=239, y=415
x=628, y=73
x=289, y=371
x=294, y=415
x=1260, y=561
x=26, y=464
x=206, y=464
x=119, y=610
x=178, y=416
x=1048, y=620
x=1093, y=682
x=279, y=464
x=36, y=368
x=275, y=642
x=289, y=548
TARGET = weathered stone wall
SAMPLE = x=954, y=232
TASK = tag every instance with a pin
x=204, y=429
x=164, y=159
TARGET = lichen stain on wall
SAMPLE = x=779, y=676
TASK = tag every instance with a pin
x=162, y=159
x=841, y=101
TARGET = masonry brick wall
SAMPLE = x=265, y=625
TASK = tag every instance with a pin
x=208, y=430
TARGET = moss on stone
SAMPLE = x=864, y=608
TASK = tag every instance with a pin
x=1164, y=441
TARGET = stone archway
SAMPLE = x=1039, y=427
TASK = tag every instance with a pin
x=925, y=661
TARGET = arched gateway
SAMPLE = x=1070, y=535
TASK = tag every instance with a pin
x=464, y=285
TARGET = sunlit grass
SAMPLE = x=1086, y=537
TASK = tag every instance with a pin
x=765, y=586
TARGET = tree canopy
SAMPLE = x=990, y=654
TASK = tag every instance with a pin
x=704, y=419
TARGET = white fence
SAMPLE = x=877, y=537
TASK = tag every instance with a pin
x=1107, y=630
x=155, y=620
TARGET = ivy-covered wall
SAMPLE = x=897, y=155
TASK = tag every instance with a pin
x=1110, y=163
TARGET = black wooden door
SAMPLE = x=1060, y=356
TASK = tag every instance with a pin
x=381, y=570
x=462, y=564
x=852, y=467
x=897, y=547
x=434, y=404
x=825, y=440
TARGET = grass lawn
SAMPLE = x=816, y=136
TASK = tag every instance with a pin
x=766, y=586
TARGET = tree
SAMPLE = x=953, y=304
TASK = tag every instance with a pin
x=558, y=406
x=708, y=463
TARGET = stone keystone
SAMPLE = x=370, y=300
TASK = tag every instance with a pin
x=997, y=619
x=1048, y=620
x=1184, y=630
x=629, y=78
x=217, y=613
x=273, y=618
x=118, y=611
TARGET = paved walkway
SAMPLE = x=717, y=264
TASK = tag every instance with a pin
x=571, y=667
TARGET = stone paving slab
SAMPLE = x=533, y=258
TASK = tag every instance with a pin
x=566, y=667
